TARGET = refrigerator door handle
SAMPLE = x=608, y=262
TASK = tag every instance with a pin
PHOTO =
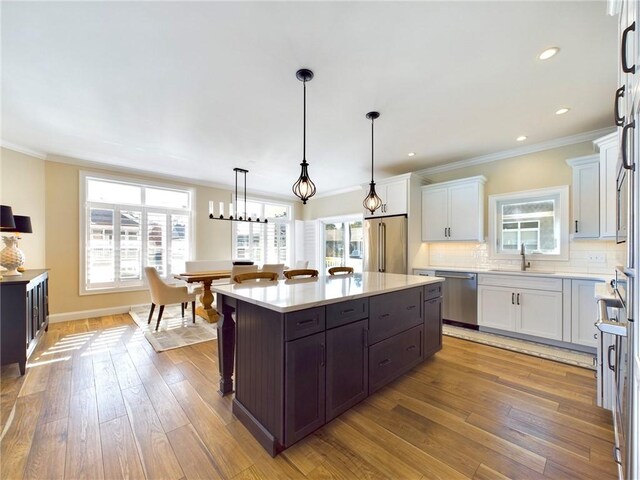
x=383, y=247
x=379, y=248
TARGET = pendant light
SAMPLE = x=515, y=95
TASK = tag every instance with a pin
x=304, y=188
x=372, y=201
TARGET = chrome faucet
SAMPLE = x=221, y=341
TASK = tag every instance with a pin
x=523, y=264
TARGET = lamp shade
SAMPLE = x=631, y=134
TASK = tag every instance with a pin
x=6, y=218
x=23, y=224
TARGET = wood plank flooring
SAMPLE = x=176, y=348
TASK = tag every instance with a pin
x=98, y=402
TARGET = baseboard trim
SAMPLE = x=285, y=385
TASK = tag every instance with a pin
x=84, y=314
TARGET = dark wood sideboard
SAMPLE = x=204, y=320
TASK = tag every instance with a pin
x=24, y=315
x=297, y=371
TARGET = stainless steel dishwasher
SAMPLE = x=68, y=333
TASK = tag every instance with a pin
x=459, y=297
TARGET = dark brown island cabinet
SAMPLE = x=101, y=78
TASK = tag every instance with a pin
x=24, y=315
x=297, y=371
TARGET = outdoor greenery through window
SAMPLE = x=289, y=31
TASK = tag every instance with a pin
x=129, y=226
x=264, y=242
x=343, y=244
x=533, y=218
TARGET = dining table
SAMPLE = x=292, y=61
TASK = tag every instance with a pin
x=205, y=309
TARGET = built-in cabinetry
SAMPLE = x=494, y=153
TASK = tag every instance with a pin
x=526, y=305
x=394, y=193
x=24, y=315
x=594, y=191
x=561, y=310
x=453, y=211
x=297, y=371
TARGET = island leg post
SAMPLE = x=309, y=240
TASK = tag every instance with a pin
x=226, y=345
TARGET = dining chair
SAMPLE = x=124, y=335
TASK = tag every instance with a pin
x=163, y=294
x=305, y=272
x=301, y=264
x=340, y=270
x=274, y=267
x=238, y=269
x=257, y=276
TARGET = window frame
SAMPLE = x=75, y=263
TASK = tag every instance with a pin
x=561, y=193
x=344, y=219
x=84, y=230
x=271, y=220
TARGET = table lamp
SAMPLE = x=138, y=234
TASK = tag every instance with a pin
x=11, y=257
x=6, y=220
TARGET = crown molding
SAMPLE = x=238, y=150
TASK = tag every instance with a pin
x=21, y=149
x=162, y=176
x=517, y=152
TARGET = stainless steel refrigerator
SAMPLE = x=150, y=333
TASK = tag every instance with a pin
x=385, y=244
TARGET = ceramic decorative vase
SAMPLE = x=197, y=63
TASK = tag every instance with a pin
x=11, y=257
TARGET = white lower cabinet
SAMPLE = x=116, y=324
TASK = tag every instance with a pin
x=505, y=303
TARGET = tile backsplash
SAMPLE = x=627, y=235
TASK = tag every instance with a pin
x=585, y=256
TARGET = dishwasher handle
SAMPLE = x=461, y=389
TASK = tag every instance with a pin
x=462, y=276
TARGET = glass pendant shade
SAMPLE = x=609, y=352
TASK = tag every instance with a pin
x=304, y=188
x=372, y=201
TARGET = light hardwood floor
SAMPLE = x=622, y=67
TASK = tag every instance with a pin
x=98, y=402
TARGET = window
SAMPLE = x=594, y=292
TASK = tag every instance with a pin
x=536, y=218
x=342, y=243
x=264, y=242
x=127, y=226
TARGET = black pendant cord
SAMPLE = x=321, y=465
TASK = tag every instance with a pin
x=372, y=150
x=304, y=121
x=231, y=216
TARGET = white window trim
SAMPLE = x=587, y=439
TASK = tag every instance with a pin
x=82, y=210
x=562, y=192
x=290, y=221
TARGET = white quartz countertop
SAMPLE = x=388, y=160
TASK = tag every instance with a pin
x=297, y=294
x=537, y=273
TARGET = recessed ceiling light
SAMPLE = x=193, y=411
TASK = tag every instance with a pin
x=562, y=111
x=548, y=53
x=412, y=154
x=521, y=138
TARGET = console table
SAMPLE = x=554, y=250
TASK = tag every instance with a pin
x=24, y=315
x=308, y=350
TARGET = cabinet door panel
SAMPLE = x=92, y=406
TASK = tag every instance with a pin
x=395, y=199
x=540, y=313
x=435, y=216
x=392, y=313
x=586, y=201
x=432, y=326
x=584, y=313
x=608, y=159
x=496, y=307
x=394, y=356
x=463, y=212
x=304, y=387
x=347, y=367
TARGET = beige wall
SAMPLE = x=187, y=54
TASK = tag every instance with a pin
x=349, y=203
x=22, y=186
x=212, y=238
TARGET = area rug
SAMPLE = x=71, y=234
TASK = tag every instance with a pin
x=557, y=354
x=175, y=331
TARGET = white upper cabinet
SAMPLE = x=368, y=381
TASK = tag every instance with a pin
x=594, y=191
x=453, y=211
x=608, y=147
x=394, y=193
x=586, y=196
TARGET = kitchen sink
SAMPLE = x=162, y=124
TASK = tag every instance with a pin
x=506, y=270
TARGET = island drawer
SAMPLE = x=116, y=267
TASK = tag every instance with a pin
x=304, y=322
x=432, y=291
x=394, y=356
x=393, y=313
x=346, y=312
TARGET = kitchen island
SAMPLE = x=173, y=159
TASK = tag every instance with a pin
x=307, y=350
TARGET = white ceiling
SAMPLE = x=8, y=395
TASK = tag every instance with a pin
x=195, y=89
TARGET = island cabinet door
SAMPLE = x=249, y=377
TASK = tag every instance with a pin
x=304, y=408
x=432, y=326
x=347, y=367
